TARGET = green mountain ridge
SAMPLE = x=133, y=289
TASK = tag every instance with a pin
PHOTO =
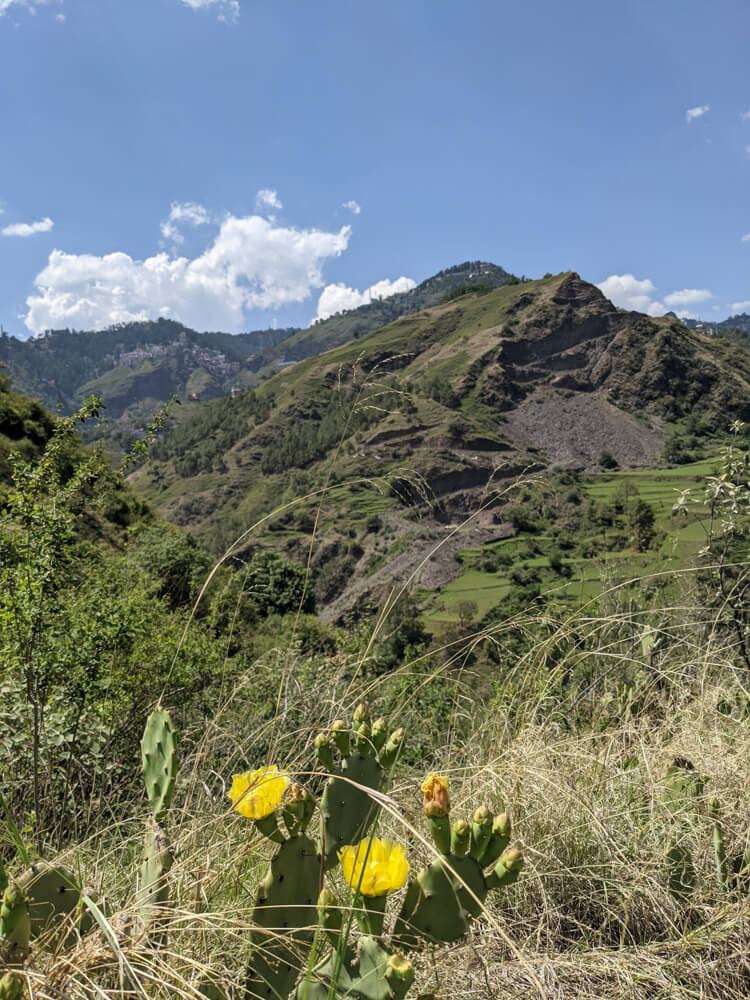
x=425, y=421
x=136, y=367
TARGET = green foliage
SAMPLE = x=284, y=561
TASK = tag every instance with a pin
x=403, y=636
x=458, y=293
x=277, y=586
x=726, y=585
x=640, y=523
x=172, y=559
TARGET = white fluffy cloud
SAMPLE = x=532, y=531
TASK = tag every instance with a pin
x=745, y=116
x=335, y=298
x=187, y=213
x=692, y=113
x=31, y=5
x=629, y=292
x=228, y=10
x=746, y=238
x=352, y=206
x=24, y=229
x=252, y=263
x=687, y=296
x=738, y=307
x=267, y=200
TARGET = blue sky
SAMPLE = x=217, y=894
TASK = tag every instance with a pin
x=236, y=164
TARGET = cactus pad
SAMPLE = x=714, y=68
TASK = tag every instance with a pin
x=443, y=898
x=285, y=914
x=153, y=888
x=349, y=812
x=54, y=894
x=369, y=973
x=159, y=760
x=15, y=926
x=11, y=986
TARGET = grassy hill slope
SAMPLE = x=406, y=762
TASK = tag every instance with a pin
x=416, y=426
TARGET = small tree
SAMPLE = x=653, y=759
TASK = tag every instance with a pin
x=641, y=525
x=36, y=555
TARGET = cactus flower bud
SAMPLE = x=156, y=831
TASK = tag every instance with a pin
x=379, y=734
x=360, y=715
x=392, y=749
x=340, y=732
x=460, y=837
x=499, y=840
x=436, y=799
x=362, y=738
x=324, y=751
x=399, y=975
x=507, y=870
x=481, y=830
x=298, y=809
x=329, y=912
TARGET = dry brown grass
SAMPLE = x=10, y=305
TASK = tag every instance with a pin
x=590, y=917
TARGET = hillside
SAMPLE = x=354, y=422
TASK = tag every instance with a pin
x=354, y=323
x=130, y=364
x=136, y=367
x=416, y=425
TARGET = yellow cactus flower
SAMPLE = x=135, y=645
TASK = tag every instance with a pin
x=256, y=794
x=374, y=866
x=436, y=799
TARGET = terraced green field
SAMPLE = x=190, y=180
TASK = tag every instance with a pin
x=585, y=576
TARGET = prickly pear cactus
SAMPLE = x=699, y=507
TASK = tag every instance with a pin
x=366, y=758
x=682, y=787
x=680, y=871
x=443, y=898
x=371, y=972
x=285, y=911
x=11, y=986
x=159, y=760
x=15, y=927
x=732, y=872
x=54, y=895
x=153, y=885
x=682, y=792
